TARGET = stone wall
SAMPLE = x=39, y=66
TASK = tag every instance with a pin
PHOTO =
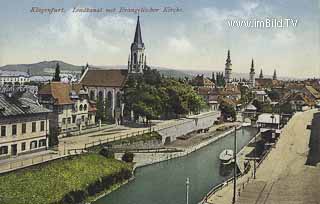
x=188, y=125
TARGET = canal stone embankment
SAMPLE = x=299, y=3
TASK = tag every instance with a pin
x=188, y=125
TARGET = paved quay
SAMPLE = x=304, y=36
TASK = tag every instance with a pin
x=283, y=177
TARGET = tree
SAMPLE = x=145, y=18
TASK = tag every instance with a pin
x=258, y=105
x=151, y=96
x=227, y=110
x=274, y=95
x=57, y=73
x=213, y=78
x=53, y=137
x=100, y=109
x=127, y=157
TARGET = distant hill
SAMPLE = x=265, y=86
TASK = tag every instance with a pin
x=42, y=68
x=48, y=68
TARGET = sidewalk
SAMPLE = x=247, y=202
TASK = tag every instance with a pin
x=283, y=177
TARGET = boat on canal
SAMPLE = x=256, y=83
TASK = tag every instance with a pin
x=226, y=157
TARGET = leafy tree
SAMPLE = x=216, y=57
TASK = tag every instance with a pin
x=227, y=110
x=274, y=95
x=151, y=96
x=100, y=109
x=128, y=157
x=286, y=108
x=53, y=137
x=57, y=73
x=258, y=105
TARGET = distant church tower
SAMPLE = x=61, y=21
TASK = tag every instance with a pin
x=252, y=75
x=228, y=70
x=261, y=74
x=274, y=75
x=137, y=58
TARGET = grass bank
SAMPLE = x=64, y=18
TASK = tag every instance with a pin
x=70, y=180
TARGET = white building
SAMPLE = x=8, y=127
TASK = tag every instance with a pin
x=70, y=105
x=268, y=121
x=13, y=77
x=24, y=126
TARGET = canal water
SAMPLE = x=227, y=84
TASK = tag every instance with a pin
x=164, y=183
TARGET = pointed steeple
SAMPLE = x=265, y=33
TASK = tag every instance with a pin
x=274, y=75
x=137, y=35
x=252, y=66
x=261, y=74
x=228, y=61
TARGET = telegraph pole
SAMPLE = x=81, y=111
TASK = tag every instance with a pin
x=187, y=190
x=235, y=165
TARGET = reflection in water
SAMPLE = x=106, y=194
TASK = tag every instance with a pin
x=165, y=182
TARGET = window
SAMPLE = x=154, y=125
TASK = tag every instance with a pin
x=3, y=150
x=33, y=144
x=63, y=121
x=73, y=119
x=82, y=118
x=3, y=131
x=69, y=120
x=42, y=143
x=34, y=126
x=23, y=146
x=81, y=107
x=85, y=107
x=14, y=130
x=42, y=126
x=24, y=128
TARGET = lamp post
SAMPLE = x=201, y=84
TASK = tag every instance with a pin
x=187, y=190
x=235, y=166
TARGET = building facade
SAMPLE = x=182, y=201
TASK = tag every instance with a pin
x=24, y=126
x=70, y=106
x=13, y=77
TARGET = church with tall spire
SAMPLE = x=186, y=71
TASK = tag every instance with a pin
x=228, y=69
x=252, y=75
x=137, y=58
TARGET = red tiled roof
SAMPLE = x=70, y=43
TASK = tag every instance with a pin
x=105, y=78
x=60, y=91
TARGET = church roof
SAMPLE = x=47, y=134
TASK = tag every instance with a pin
x=105, y=77
x=137, y=36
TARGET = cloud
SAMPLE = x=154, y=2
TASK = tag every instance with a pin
x=90, y=32
x=180, y=45
x=284, y=37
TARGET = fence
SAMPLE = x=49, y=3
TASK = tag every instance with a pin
x=15, y=165
x=224, y=184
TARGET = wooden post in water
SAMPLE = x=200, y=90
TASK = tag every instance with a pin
x=235, y=166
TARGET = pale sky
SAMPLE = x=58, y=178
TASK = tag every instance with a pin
x=196, y=38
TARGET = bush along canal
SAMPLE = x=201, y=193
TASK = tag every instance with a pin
x=75, y=179
x=165, y=182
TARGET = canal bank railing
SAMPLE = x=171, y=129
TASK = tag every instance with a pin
x=220, y=186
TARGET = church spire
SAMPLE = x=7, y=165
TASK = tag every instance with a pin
x=261, y=74
x=228, y=59
x=136, y=64
x=137, y=35
x=228, y=69
x=252, y=66
x=274, y=75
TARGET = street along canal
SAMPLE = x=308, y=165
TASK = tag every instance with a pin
x=165, y=182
